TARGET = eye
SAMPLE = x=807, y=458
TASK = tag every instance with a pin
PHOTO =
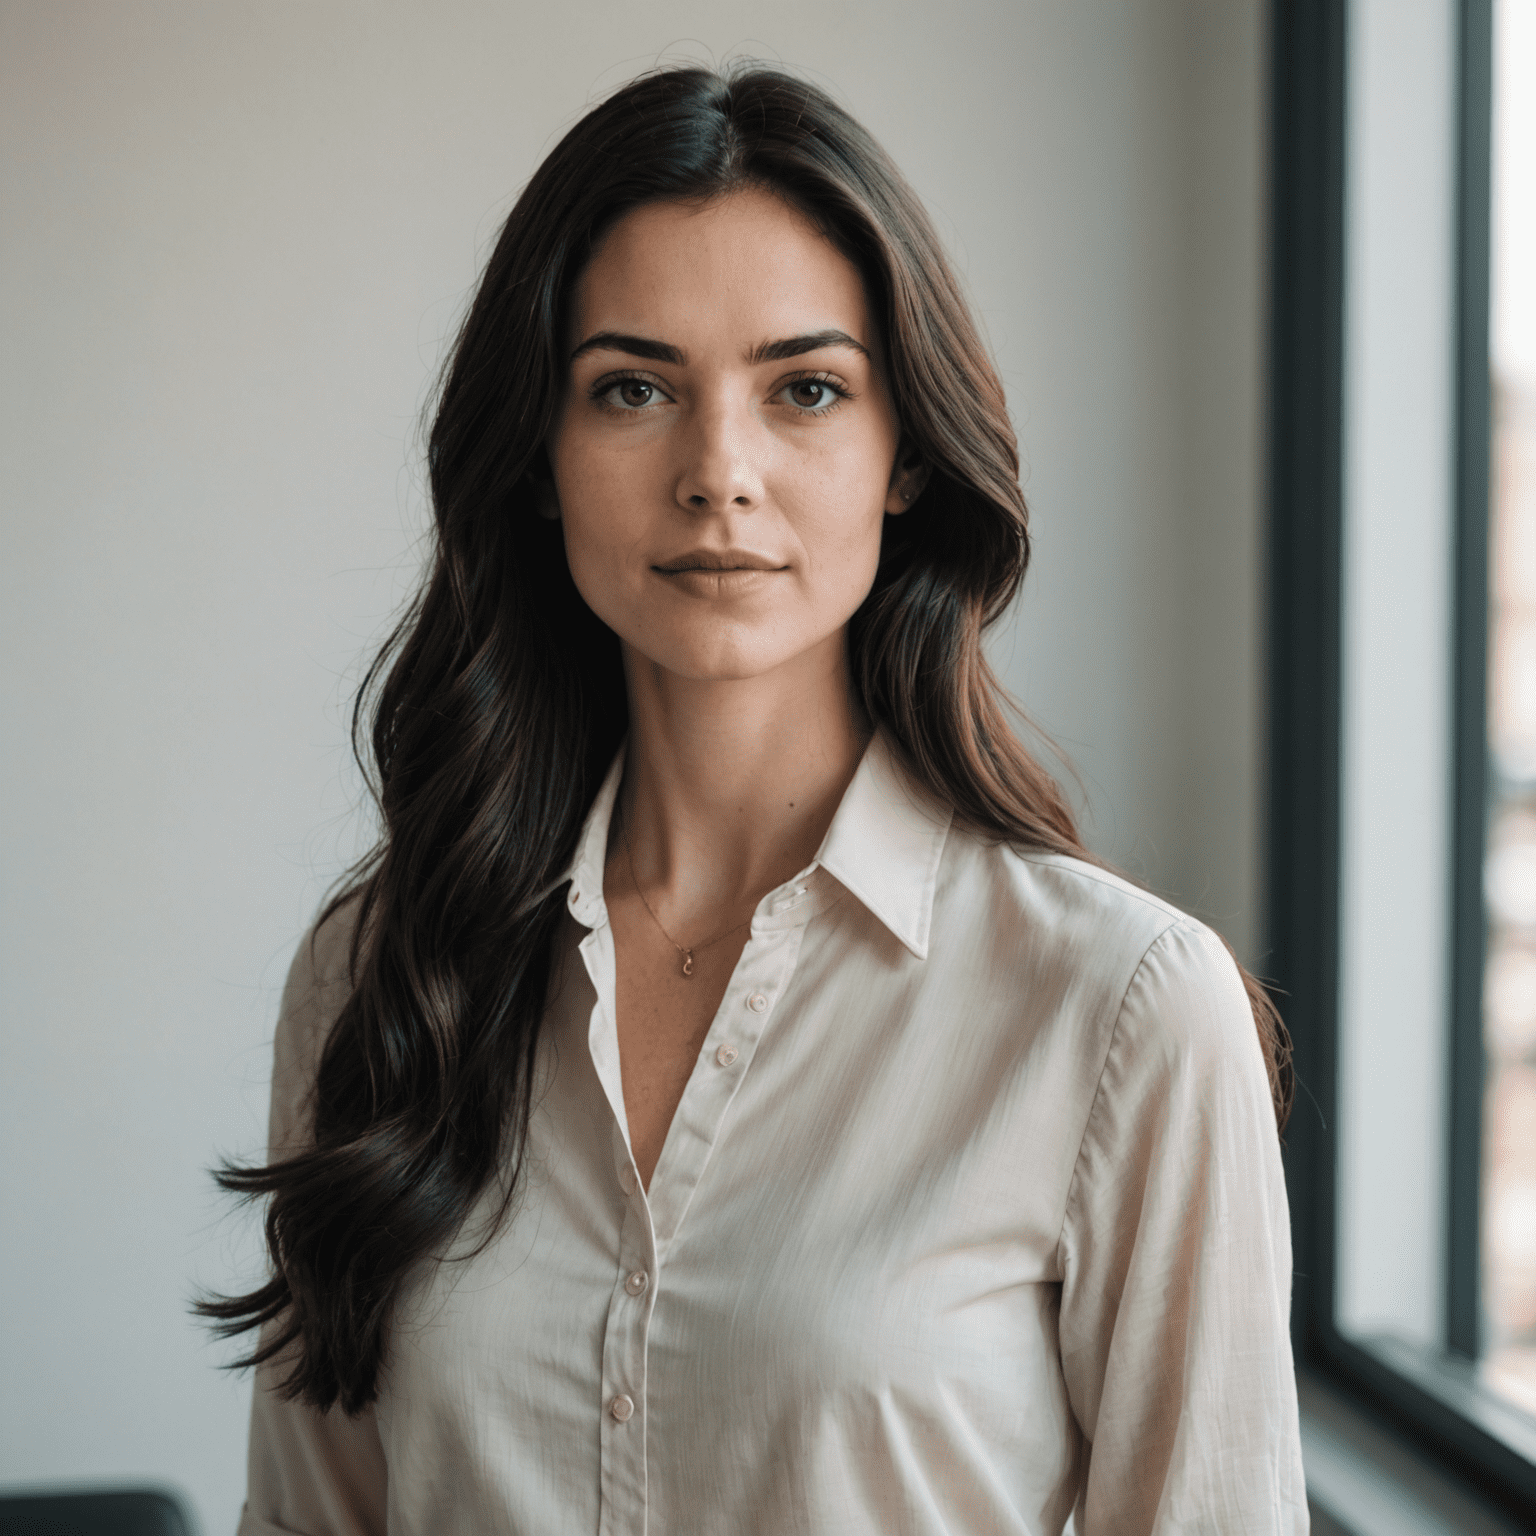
x=813, y=396
x=629, y=393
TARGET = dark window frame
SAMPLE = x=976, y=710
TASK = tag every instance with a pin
x=1433, y=1399
x=1471, y=785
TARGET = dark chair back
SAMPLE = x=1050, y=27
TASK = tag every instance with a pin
x=130, y=1512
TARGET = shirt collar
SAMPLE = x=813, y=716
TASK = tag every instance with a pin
x=585, y=871
x=884, y=845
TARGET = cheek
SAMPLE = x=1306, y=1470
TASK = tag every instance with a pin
x=843, y=551
x=842, y=513
x=595, y=545
x=597, y=505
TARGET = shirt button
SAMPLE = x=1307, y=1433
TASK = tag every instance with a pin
x=726, y=1055
x=627, y=1180
x=757, y=1002
x=621, y=1408
x=637, y=1282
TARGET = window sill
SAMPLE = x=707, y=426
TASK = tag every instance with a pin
x=1370, y=1483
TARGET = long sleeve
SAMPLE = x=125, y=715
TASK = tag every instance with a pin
x=1176, y=1267
x=311, y=1473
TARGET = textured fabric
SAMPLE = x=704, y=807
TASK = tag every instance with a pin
x=971, y=1213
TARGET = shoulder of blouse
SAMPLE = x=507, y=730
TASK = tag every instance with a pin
x=1086, y=915
x=319, y=983
x=1115, y=948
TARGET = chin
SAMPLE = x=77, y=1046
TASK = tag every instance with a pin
x=729, y=666
x=731, y=657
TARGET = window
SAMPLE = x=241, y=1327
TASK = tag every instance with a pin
x=1506, y=1339
x=1403, y=709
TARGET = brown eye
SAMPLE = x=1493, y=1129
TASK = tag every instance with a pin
x=815, y=395
x=630, y=395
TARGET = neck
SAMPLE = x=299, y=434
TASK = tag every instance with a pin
x=729, y=787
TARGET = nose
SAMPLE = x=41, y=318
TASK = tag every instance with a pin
x=721, y=459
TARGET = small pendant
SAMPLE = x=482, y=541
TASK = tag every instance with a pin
x=687, y=962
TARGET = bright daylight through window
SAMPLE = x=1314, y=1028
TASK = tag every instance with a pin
x=1509, y=996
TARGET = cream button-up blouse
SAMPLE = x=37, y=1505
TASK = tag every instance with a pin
x=971, y=1215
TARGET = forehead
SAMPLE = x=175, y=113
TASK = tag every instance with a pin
x=746, y=267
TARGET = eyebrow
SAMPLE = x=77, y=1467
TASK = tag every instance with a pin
x=635, y=346
x=766, y=352
x=813, y=341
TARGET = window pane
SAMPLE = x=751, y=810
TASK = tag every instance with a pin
x=1397, y=592
x=1509, y=992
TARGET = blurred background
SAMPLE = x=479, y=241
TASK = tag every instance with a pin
x=235, y=242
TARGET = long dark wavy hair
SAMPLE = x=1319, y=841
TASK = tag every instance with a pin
x=497, y=704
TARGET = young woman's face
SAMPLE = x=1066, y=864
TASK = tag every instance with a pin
x=727, y=447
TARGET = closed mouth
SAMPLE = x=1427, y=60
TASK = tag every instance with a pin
x=718, y=561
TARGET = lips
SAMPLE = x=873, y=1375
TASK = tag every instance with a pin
x=718, y=560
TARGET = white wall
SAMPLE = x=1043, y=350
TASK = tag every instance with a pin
x=234, y=240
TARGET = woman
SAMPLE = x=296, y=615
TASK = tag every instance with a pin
x=731, y=1098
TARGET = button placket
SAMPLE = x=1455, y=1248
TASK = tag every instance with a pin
x=767, y=963
x=650, y=1217
x=624, y=1370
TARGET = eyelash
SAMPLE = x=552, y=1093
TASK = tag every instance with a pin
x=611, y=381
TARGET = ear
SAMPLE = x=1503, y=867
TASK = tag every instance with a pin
x=908, y=477
x=546, y=499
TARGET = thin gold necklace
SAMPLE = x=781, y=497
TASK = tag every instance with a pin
x=682, y=949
